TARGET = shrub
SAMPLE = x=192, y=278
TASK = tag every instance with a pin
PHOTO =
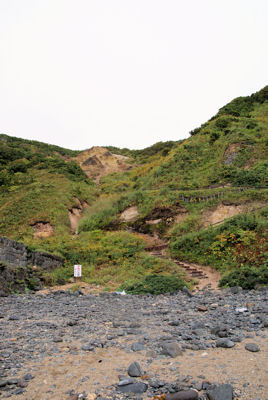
x=214, y=136
x=154, y=284
x=246, y=277
x=223, y=122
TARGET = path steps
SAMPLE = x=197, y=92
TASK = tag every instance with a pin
x=192, y=270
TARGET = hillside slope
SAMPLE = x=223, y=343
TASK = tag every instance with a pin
x=172, y=192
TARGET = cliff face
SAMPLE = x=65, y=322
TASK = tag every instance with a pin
x=17, y=254
x=99, y=161
x=17, y=273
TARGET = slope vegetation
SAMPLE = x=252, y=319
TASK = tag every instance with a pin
x=205, y=196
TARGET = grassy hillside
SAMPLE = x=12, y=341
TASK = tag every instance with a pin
x=197, y=177
x=205, y=195
x=229, y=150
x=38, y=183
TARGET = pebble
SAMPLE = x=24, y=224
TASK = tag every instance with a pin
x=171, y=349
x=137, y=387
x=183, y=395
x=225, y=343
x=135, y=369
x=253, y=347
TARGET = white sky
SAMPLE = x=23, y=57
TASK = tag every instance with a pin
x=128, y=73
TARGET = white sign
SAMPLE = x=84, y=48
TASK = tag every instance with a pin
x=77, y=271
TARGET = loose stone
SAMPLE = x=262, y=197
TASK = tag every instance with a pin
x=135, y=370
x=253, y=347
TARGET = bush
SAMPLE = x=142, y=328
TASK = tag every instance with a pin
x=155, y=284
x=246, y=277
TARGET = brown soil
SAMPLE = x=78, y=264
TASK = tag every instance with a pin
x=99, y=161
x=211, y=280
x=151, y=240
x=42, y=230
x=102, y=367
x=85, y=287
x=224, y=211
x=75, y=213
x=129, y=214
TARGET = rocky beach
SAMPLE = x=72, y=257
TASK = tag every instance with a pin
x=75, y=345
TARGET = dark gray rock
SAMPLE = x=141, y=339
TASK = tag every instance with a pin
x=253, y=347
x=137, y=347
x=225, y=343
x=183, y=395
x=135, y=369
x=221, y=392
x=28, y=377
x=87, y=347
x=187, y=291
x=171, y=349
x=19, y=391
x=137, y=387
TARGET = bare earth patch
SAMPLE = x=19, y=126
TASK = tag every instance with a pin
x=129, y=214
x=102, y=367
x=99, y=161
x=224, y=211
x=42, y=230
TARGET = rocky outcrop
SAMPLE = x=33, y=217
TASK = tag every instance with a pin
x=17, y=254
x=42, y=229
x=99, y=161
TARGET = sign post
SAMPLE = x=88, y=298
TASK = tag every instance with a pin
x=77, y=272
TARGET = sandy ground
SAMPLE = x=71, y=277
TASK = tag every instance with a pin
x=88, y=371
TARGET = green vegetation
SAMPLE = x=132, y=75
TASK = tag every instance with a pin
x=239, y=241
x=174, y=185
x=154, y=284
x=247, y=277
x=109, y=259
x=38, y=182
x=142, y=156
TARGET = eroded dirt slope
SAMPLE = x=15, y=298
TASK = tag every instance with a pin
x=99, y=161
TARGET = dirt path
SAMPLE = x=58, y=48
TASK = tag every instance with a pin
x=206, y=277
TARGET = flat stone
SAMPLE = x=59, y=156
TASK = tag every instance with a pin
x=28, y=377
x=22, y=384
x=183, y=395
x=171, y=350
x=225, y=343
x=252, y=347
x=87, y=347
x=137, y=347
x=138, y=387
x=126, y=381
x=221, y=392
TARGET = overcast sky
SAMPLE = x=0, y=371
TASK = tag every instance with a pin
x=128, y=73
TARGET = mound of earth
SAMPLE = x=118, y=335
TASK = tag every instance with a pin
x=99, y=161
